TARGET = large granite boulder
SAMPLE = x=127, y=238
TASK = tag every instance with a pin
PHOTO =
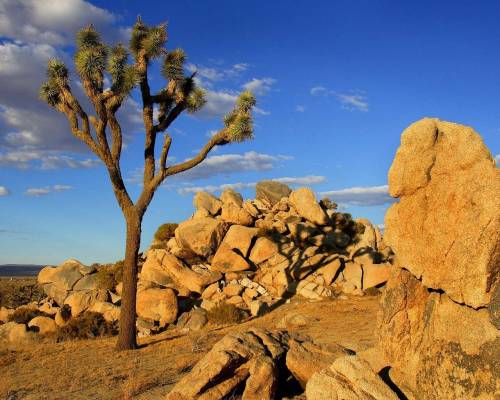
x=437, y=329
x=436, y=348
x=165, y=269
x=304, y=201
x=157, y=305
x=348, y=378
x=445, y=228
x=271, y=192
x=208, y=202
x=58, y=281
x=246, y=361
x=202, y=236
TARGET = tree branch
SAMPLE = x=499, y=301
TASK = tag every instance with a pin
x=218, y=139
x=147, y=116
x=171, y=117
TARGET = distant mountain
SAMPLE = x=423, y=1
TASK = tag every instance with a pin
x=20, y=269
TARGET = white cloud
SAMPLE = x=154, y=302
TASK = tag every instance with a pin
x=232, y=163
x=225, y=165
x=354, y=100
x=259, y=86
x=300, y=108
x=304, y=180
x=4, y=191
x=36, y=192
x=60, y=188
x=27, y=158
x=497, y=159
x=52, y=22
x=219, y=103
x=318, y=90
x=361, y=196
x=207, y=76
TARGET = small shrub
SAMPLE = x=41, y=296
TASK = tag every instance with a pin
x=24, y=315
x=327, y=204
x=165, y=232
x=88, y=325
x=109, y=275
x=224, y=313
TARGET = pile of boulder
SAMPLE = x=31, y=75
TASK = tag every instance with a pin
x=439, y=314
x=250, y=254
x=253, y=253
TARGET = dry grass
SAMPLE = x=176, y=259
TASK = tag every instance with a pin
x=224, y=314
x=17, y=291
x=92, y=369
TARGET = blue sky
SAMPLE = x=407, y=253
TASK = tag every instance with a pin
x=336, y=84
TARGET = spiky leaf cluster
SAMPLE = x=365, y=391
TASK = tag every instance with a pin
x=196, y=100
x=173, y=65
x=91, y=57
x=151, y=39
x=57, y=71
x=49, y=92
x=239, y=122
x=123, y=76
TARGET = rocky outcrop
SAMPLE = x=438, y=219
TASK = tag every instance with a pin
x=202, y=236
x=271, y=192
x=248, y=360
x=437, y=330
x=157, y=304
x=445, y=228
x=348, y=378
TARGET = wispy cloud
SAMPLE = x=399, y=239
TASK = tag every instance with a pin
x=4, y=191
x=293, y=181
x=37, y=192
x=259, y=86
x=361, y=196
x=222, y=165
x=207, y=76
x=353, y=100
x=300, y=108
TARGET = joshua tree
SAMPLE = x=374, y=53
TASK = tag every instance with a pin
x=102, y=132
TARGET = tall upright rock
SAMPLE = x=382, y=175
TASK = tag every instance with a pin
x=446, y=227
x=437, y=326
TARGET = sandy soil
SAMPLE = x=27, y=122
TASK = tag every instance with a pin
x=91, y=369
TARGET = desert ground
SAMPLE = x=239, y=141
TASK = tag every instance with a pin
x=87, y=369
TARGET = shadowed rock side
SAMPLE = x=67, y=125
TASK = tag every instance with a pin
x=438, y=328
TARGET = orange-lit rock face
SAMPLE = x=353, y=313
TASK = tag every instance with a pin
x=446, y=227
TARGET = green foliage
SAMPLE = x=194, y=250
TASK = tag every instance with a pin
x=91, y=56
x=88, y=38
x=57, y=71
x=23, y=315
x=239, y=122
x=173, y=65
x=49, y=92
x=150, y=39
x=225, y=313
x=196, y=100
x=165, y=232
x=91, y=63
x=108, y=276
x=123, y=77
x=246, y=101
x=88, y=325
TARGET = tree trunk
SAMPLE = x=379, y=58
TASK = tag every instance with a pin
x=126, y=335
